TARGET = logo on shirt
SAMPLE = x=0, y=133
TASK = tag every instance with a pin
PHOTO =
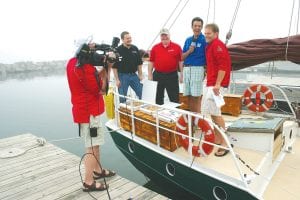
x=171, y=50
x=134, y=51
x=219, y=49
x=198, y=44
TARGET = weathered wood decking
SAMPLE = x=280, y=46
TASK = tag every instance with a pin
x=49, y=172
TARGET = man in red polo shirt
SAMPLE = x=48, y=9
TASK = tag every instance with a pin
x=218, y=78
x=166, y=58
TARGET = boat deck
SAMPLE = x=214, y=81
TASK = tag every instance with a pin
x=285, y=183
x=225, y=165
x=48, y=172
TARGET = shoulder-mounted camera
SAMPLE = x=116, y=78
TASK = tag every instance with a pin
x=98, y=54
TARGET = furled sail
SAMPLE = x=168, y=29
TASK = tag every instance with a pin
x=253, y=52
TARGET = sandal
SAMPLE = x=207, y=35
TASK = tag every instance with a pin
x=104, y=174
x=89, y=188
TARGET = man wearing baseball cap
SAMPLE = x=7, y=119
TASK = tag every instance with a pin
x=165, y=59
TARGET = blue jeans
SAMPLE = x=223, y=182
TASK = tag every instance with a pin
x=132, y=80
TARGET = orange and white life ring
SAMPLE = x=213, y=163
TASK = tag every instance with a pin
x=209, y=136
x=258, y=106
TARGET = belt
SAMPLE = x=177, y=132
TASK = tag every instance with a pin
x=166, y=72
x=126, y=72
x=193, y=65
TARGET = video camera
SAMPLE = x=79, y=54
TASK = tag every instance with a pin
x=87, y=54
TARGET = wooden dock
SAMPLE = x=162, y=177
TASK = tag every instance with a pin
x=49, y=172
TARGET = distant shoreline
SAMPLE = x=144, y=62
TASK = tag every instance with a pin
x=28, y=69
x=25, y=70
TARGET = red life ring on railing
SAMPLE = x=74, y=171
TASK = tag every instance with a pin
x=209, y=136
x=258, y=106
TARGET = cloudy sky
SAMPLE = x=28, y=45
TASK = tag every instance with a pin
x=43, y=30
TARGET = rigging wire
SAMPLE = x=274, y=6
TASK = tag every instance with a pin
x=214, y=11
x=297, y=30
x=168, y=19
x=288, y=38
x=179, y=14
x=208, y=11
x=229, y=34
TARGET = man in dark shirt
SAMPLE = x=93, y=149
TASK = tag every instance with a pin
x=125, y=70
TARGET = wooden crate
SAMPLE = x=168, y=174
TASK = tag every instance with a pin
x=168, y=140
x=125, y=119
x=184, y=101
x=233, y=104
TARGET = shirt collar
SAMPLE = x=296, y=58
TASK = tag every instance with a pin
x=169, y=45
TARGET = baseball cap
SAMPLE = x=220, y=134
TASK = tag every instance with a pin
x=164, y=31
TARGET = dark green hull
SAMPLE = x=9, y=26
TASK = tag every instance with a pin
x=153, y=165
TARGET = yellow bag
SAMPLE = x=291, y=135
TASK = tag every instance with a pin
x=109, y=104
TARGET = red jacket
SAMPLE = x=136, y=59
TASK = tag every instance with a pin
x=85, y=92
x=217, y=58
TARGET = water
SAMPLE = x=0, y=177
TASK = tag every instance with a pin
x=41, y=106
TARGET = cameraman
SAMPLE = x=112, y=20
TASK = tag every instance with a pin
x=86, y=87
x=125, y=70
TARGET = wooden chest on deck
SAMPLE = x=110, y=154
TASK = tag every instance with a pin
x=125, y=119
x=168, y=139
x=233, y=104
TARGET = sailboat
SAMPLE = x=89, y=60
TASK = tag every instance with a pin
x=175, y=147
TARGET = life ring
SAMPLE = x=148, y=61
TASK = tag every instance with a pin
x=258, y=106
x=209, y=136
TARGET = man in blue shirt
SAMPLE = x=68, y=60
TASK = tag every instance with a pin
x=194, y=63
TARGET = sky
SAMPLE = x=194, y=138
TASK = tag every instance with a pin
x=45, y=30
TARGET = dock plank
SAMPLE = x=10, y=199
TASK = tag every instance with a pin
x=117, y=182
x=17, y=141
x=23, y=185
x=39, y=169
x=49, y=172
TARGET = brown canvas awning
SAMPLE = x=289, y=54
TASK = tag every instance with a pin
x=253, y=52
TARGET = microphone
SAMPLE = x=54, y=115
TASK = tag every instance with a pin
x=194, y=42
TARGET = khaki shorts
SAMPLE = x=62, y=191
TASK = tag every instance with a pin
x=85, y=132
x=208, y=105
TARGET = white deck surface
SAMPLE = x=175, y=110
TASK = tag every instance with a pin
x=285, y=183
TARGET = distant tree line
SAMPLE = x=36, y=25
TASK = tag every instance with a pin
x=31, y=69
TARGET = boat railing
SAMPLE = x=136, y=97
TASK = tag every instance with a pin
x=190, y=136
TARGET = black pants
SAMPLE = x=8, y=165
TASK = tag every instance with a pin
x=167, y=81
